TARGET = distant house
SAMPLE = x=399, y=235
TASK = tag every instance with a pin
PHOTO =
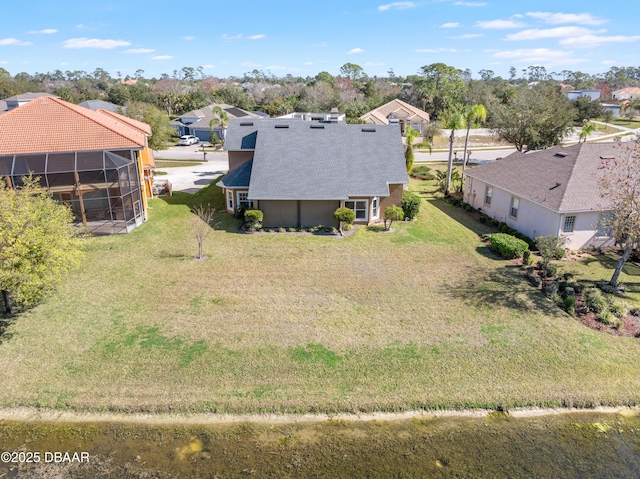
x=397, y=111
x=575, y=94
x=3, y=106
x=547, y=192
x=103, y=105
x=197, y=122
x=18, y=100
x=628, y=93
x=613, y=107
x=97, y=162
x=298, y=173
x=333, y=116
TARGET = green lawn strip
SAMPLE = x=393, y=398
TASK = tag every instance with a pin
x=160, y=163
x=424, y=316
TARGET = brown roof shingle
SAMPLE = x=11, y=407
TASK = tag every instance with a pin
x=52, y=125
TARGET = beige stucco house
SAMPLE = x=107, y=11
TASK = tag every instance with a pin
x=398, y=111
x=547, y=192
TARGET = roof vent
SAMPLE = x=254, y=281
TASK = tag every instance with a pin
x=317, y=127
x=369, y=130
x=554, y=186
x=560, y=155
x=282, y=126
x=607, y=157
x=246, y=123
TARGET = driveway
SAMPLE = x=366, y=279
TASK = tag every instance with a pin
x=192, y=178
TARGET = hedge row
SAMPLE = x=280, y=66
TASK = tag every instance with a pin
x=507, y=246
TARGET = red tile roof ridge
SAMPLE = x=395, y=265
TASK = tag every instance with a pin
x=138, y=125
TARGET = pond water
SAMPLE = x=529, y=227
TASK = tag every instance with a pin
x=573, y=445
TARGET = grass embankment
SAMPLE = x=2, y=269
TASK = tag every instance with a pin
x=424, y=317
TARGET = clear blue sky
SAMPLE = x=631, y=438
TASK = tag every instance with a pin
x=306, y=37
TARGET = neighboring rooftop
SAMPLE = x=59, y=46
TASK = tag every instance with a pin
x=301, y=160
x=202, y=117
x=24, y=97
x=102, y=105
x=560, y=178
x=399, y=110
x=48, y=124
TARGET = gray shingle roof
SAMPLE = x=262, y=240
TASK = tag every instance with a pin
x=102, y=105
x=238, y=178
x=206, y=114
x=317, y=161
x=560, y=178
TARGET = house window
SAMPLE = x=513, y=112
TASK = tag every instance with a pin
x=375, y=207
x=488, y=194
x=359, y=207
x=569, y=223
x=230, y=200
x=605, y=229
x=515, y=205
x=243, y=200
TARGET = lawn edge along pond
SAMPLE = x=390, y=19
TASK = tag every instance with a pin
x=423, y=318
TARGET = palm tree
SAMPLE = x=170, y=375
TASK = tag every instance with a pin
x=473, y=114
x=451, y=120
x=587, y=129
x=221, y=118
x=410, y=135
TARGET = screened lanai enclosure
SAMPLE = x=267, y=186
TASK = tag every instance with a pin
x=102, y=188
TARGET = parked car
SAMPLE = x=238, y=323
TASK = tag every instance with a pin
x=186, y=140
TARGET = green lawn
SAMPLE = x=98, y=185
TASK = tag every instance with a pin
x=425, y=316
x=161, y=163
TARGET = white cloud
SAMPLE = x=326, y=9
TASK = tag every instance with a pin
x=373, y=64
x=13, y=41
x=499, y=24
x=559, y=32
x=450, y=25
x=588, y=41
x=94, y=43
x=468, y=35
x=320, y=45
x=355, y=50
x=559, y=18
x=64, y=64
x=4, y=62
x=139, y=50
x=471, y=4
x=397, y=6
x=162, y=57
x=540, y=56
x=435, y=50
x=308, y=63
x=208, y=66
x=608, y=62
x=189, y=38
x=46, y=31
x=230, y=38
x=259, y=36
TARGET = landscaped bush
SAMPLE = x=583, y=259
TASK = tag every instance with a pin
x=507, y=246
x=551, y=288
x=253, y=215
x=551, y=271
x=422, y=172
x=535, y=280
x=410, y=204
x=483, y=218
x=616, y=308
x=569, y=292
x=526, y=257
x=595, y=301
x=570, y=304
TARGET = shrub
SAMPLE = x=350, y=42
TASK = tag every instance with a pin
x=392, y=213
x=281, y=230
x=569, y=292
x=253, y=215
x=292, y=229
x=507, y=246
x=634, y=311
x=577, y=287
x=551, y=271
x=535, y=280
x=570, y=304
x=422, y=172
x=595, y=301
x=347, y=227
x=605, y=317
x=551, y=288
x=238, y=213
x=410, y=204
x=526, y=257
x=550, y=247
x=345, y=215
x=468, y=207
x=483, y=218
x=616, y=308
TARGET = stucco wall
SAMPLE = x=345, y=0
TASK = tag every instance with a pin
x=534, y=220
x=238, y=158
x=394, y=198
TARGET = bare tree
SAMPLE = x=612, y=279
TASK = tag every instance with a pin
x=620, y=188
x=201, y=226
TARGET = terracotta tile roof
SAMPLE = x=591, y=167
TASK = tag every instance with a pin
x=52, y=125
x=560, y=178
x=138, y=125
